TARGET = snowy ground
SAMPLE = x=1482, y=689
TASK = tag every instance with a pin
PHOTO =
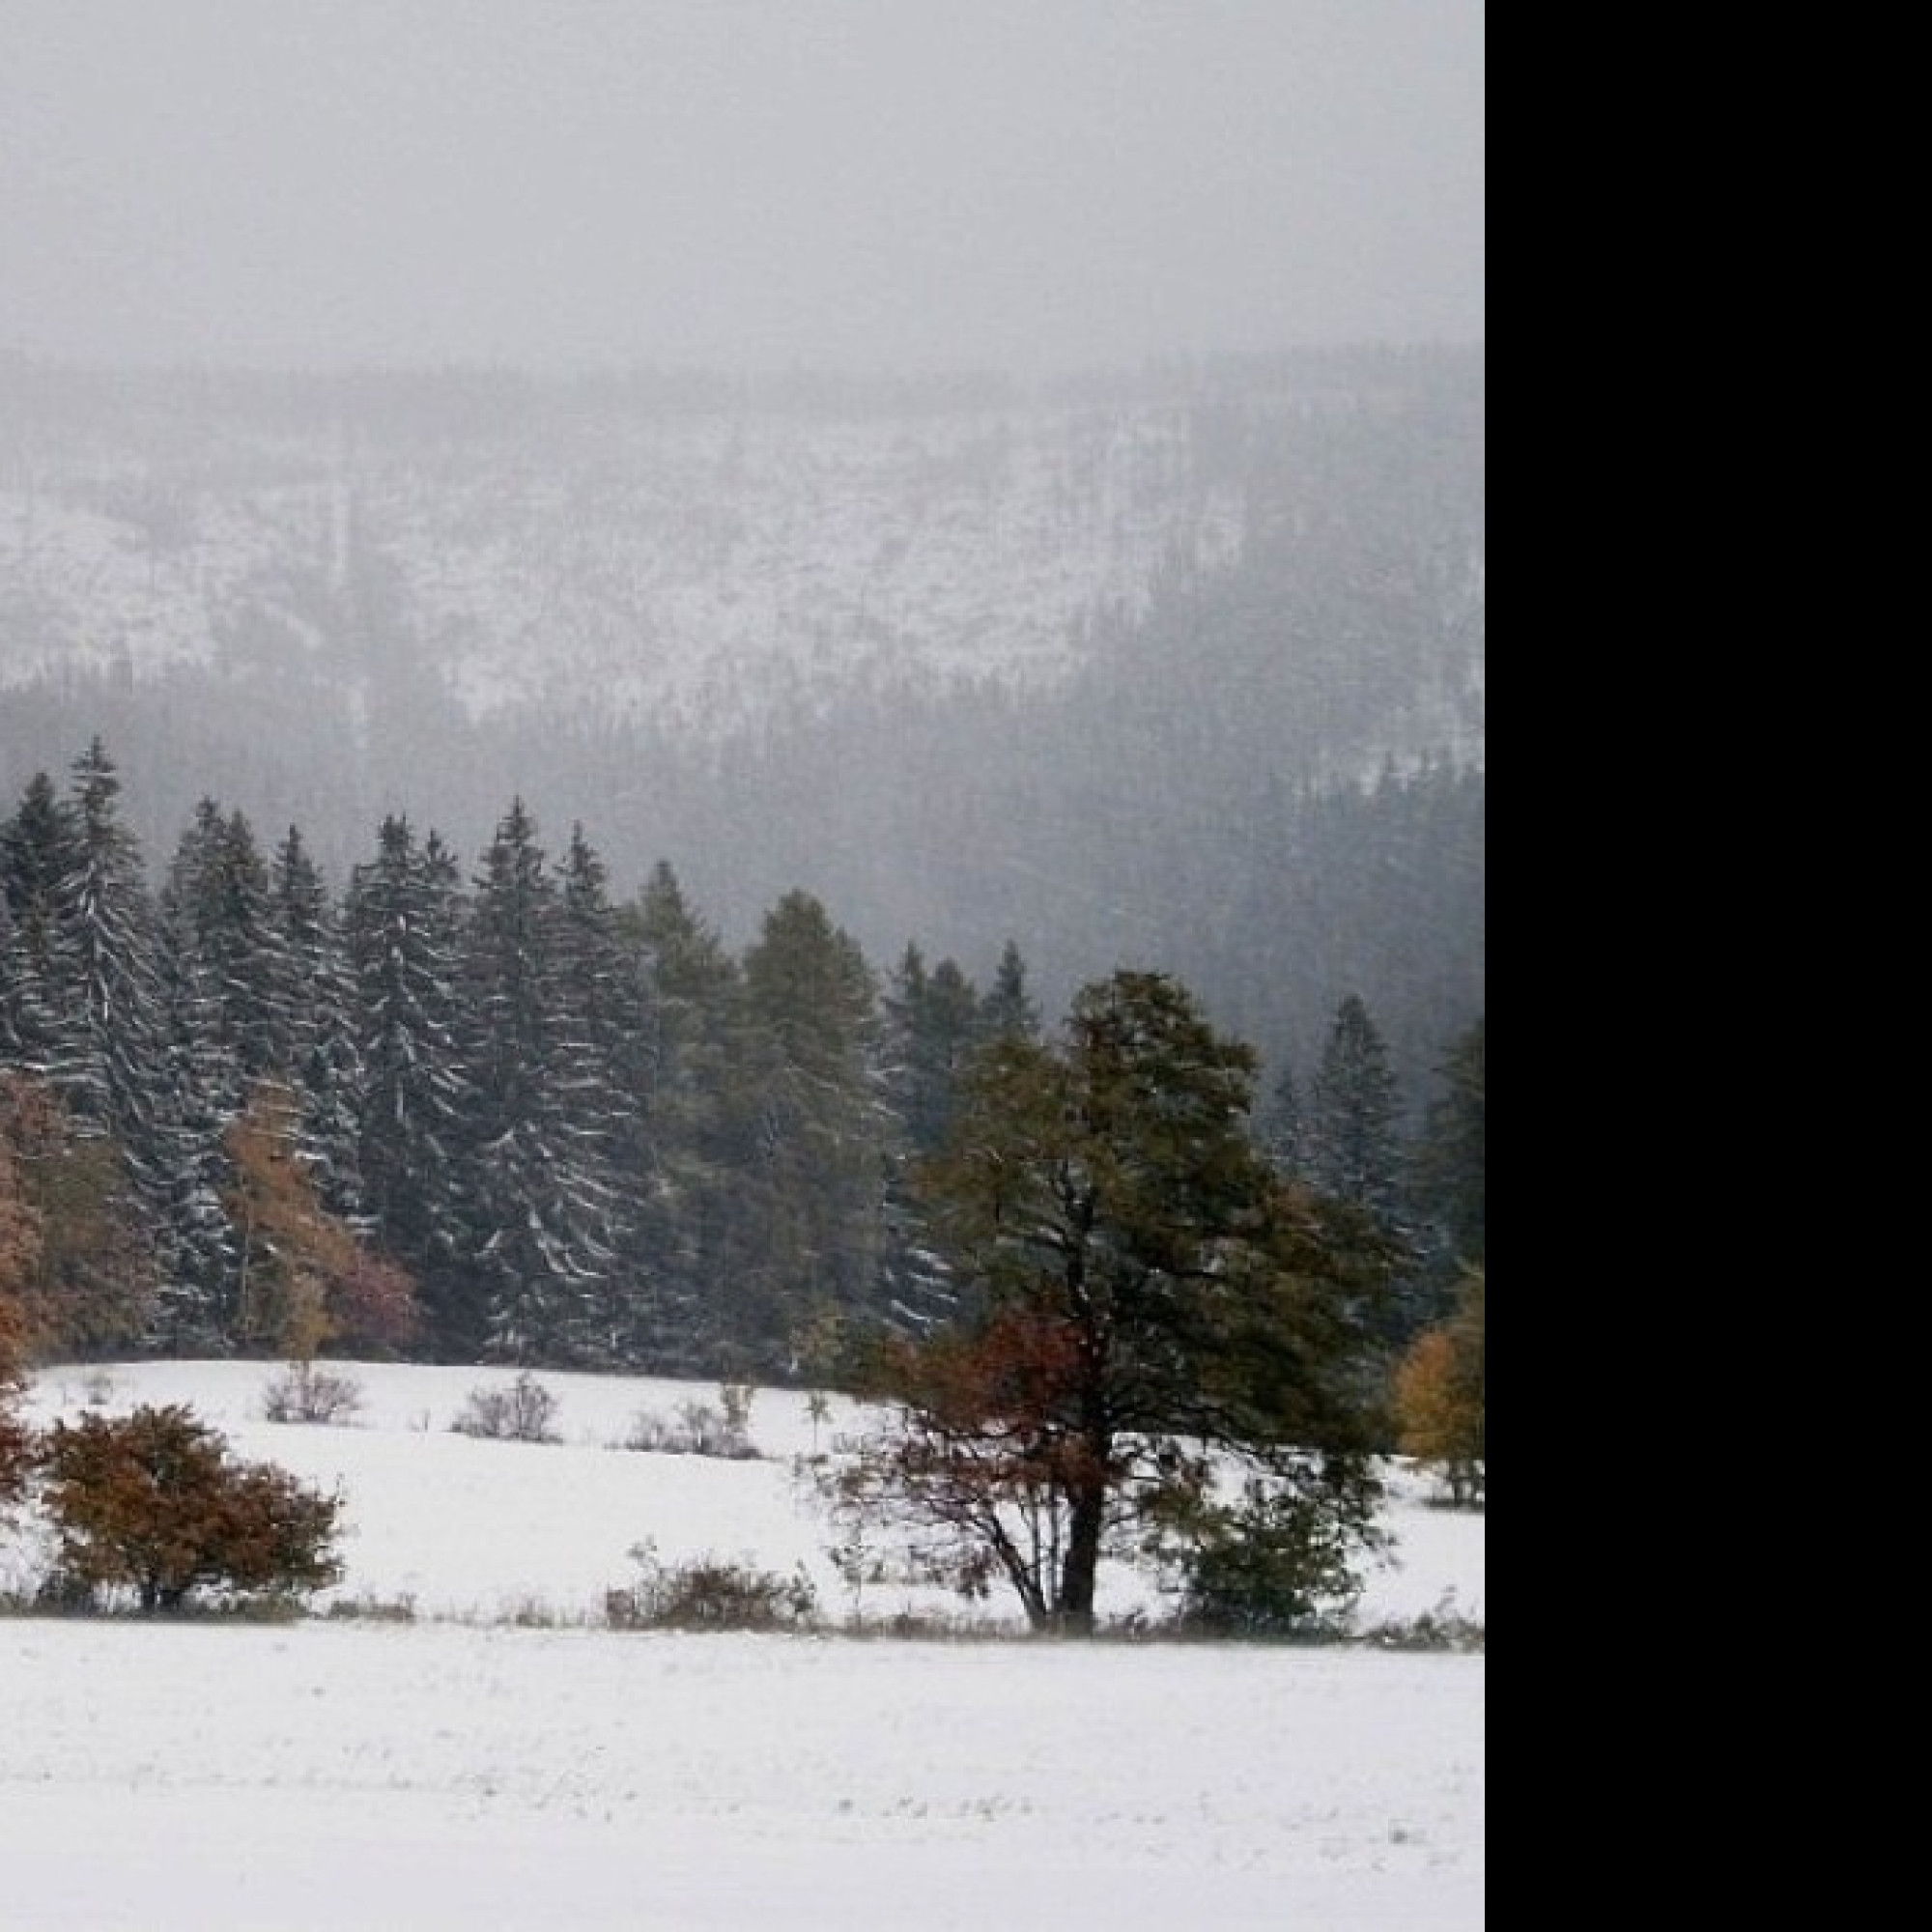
x=467, y=1771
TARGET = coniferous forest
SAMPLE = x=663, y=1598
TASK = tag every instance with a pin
x=382, y=967
x=491, y=1110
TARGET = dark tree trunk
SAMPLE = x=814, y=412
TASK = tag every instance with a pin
x=1080, y=1569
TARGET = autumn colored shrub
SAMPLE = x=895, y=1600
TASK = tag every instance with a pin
x=73, y=1259
x=154, y=1505
x=16, y=1440
x=1442, y=1397
x=306, y=1278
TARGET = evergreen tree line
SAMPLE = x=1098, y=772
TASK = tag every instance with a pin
x=499, y=1113
x=1264, y=770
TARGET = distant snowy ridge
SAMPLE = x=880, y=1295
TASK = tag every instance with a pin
x=706, y=571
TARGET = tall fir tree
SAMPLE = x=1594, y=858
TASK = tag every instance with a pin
x=314, y=1003
x=1284, y=1129
x=403, y=918
x=108, y=1060
x=1009, y=1010
x=1357, y=1155
x=812, y=1135
x=599, y=1030
x=536, y=1200
x=34, y=844
x=681, y=1240
x=1451, y=1166
x=934, y=1026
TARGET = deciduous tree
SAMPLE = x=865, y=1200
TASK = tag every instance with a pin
x=85, y=1282
x=1442, y=1396
x=1152, y=1305
x=15, y=1438
x=305, y=1277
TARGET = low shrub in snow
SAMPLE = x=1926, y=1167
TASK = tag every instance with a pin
x=709, y=1594
x=698, y=1429
x=522, y=1412
x=306, y=1393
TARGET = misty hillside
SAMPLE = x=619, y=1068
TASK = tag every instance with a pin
x=1183, y=668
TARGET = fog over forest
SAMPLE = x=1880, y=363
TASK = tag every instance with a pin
x=1183, y=669
x=1016, y=472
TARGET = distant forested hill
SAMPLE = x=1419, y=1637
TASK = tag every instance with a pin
x=1182, y=668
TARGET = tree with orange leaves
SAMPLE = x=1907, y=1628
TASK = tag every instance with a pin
x=83, y=1276
x=306, y=1278
x=1442, y=1397
x=16, y=1440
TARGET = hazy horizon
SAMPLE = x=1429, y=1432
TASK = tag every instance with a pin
x=897, y=185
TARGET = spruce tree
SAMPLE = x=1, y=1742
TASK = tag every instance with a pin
x=1009, y=1012
x=1450, y=1166
x=1356, y=1151
x=537, y=1205
x=1284, y=1129
x=108, y=1058
x=811, y=1138
x=688, y=1207
x=933, y=1028
x=403, y=916
x=33, y=851
x=313, y=1001
x=33, y=844
x=598, y=1047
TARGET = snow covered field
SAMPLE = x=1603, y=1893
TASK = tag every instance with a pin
x=502, y=1762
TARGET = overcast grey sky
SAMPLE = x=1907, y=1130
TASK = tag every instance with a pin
x=734, y=183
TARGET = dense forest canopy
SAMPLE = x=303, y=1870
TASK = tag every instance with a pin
x=494, y=1111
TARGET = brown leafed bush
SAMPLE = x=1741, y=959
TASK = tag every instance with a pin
x=154, y=1506
x=16, y=1443
x=1442, y=1397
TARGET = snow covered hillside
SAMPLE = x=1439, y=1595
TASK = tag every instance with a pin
x=698, y=570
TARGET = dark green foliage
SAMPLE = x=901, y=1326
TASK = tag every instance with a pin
x=1355, y=1152
x=1281, y=1563
x=1152, y=1299
x=403, y=918
x=1452, y=1156
x=680, y=1140
x=108, y=1058
x=809, y=1137
x=33, y=860
x=153, y=1506
x=540, y=1205
x=589, y=1133
x=315, y=1000
x=1008, y=1011
x=1353, y=1129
